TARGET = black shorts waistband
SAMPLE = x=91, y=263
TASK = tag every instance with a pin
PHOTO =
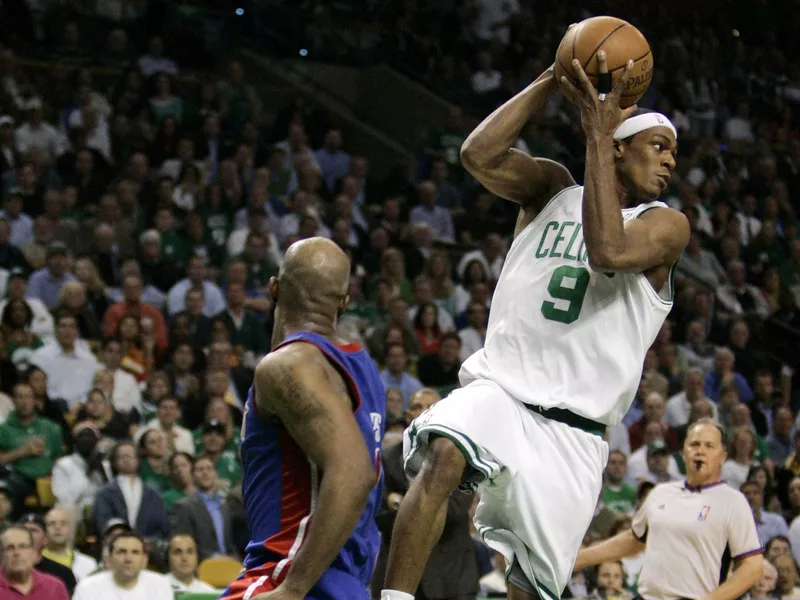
x=562, y=415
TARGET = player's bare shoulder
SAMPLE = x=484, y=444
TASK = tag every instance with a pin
x=670, y=228
x=285, y=374
x=556, y=178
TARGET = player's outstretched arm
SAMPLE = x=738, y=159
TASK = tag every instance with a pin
x=618, y=547
x=747, y=573
x=294, y=386
x=488, y=153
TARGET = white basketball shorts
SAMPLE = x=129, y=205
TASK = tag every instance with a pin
x=539, y=478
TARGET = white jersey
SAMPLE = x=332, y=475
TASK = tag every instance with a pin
x=560, y=334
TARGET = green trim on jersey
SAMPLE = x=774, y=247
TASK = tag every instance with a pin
x=468, y=448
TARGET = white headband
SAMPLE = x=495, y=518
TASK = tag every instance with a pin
x=639, y=123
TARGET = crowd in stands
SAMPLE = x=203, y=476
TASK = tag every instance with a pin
x=141, y=221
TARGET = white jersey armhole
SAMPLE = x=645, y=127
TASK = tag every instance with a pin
x=666, y=294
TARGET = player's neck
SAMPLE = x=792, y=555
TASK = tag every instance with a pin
x=287, y=324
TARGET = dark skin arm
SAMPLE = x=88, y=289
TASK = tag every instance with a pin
x=297, y=386
x=488, y=152
x=651, y=243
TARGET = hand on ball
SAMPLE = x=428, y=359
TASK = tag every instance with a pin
x=601, y=114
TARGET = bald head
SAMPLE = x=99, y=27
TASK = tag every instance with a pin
x=314, y=277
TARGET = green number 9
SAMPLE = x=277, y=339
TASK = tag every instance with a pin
x=568, y=287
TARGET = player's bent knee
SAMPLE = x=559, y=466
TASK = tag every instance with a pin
x=444, y=465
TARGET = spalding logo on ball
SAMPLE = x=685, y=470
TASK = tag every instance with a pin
x=621, y=42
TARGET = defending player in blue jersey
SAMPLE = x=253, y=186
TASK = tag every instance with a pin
x=311, y=438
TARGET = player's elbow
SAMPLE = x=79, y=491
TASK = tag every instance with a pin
x=474, y=157
x=601, y=260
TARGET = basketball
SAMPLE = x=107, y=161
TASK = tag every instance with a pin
x=621, y=42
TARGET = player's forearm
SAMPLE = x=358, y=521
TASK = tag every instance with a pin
x=620, y=546
x=603, y=230
x=341, y=501
x=498, y=132
x=745, y=576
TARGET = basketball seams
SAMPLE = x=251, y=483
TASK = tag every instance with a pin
x=600, y=45
x=635, y=60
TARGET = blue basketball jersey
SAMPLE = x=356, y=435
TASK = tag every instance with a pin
x=280, y=487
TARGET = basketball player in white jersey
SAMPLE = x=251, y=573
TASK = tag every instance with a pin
x=584, y=290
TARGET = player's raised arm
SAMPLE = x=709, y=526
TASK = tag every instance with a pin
x=488, y=153
x=624, y=170
x=294, y=386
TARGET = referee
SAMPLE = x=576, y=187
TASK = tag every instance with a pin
x=691, y=530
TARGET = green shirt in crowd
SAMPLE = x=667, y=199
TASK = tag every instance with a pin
x=229, y=469
x=150, y=477
x=14, y=434
x=171, y=497
x=621, y=498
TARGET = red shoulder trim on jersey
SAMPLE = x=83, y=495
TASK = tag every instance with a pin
x=351, y=347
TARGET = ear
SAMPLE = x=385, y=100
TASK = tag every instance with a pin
x=619, y=149
x=273, y=289
x=343, y=305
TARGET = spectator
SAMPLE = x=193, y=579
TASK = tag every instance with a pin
x=724, y=374
x=153, y=455
x=45, y=284
x=193, y=514
x=780, y=444
x=490, y=255
x=34, y=523
x=168, y=413
x=617, y=494
x=214, y=301
x=18, y=576
x=164, y=103
x=29, y=444
x=739, y=298
x=181, y=466
x=486, y=79
x=653, y=413
x=60, y=545
x=787, y=578
x=67, y=362
x=743, y=446
x=429, y=212
x=396, y=376
x=126, y=496
x=127, y=574
x=768, y=524
x=99, y=411
x=213, y=446
x=182, y=554
x=73, y=484
x=473, y=336
x=42, y=324
x=126, y=395
x=639, y=463
x=441, y=370
x=332, y=160
x=680, y=405
x=154, y=61
x=35, y=133
x=21, y=224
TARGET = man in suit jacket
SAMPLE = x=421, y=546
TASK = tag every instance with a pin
x=128, y=498
x=452, y=570
x=204, y=515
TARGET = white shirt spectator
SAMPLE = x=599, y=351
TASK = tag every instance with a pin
x=237, y=240
x=72, y=486
x=195, y=586
x=726, y=294
x=738, y=129
x=638, y=470
x=483, y=82
x=214, y=300
x=83, y=565
x=21, y=229
x=493, y=269
x=794, y=538
x=734, y=474
x=43, y=324
x=127, y=395
x=149, y=65
x=98, y=137
x=149, y=586
x=491, y=13
x=184, y=442
x=43, y=137
x=172, y=168
x=619, y=439
x=678, y=409
x=69, y=375
x=750, y=226
x=471, y=341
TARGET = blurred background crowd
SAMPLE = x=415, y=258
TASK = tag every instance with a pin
x=152, y=175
